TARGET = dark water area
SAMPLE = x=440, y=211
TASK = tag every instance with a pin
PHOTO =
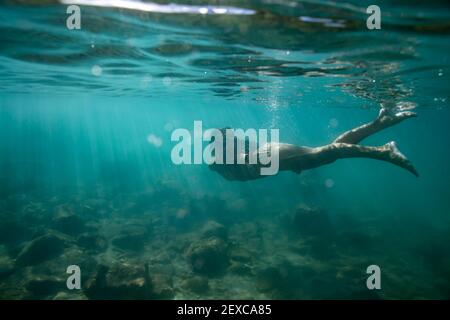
x=86, y=176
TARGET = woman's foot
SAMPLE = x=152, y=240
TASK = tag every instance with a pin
x=399, y=158
x=390, y=117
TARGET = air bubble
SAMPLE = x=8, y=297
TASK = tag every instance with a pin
x=96, y=70
x=333, y=123
x=167, y=81
x=329, y=183
x=154, y=140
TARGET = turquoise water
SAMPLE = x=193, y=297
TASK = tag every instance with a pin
x=87, y=179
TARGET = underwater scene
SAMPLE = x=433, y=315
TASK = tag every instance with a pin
x=105, y=190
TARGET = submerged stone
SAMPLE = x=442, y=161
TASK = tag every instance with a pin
x=311, y=222
x=317, y=247
x=161, y=285
x=196, y=284
x=6, y=266
x=41, y=249
x=214, y=229
x=284, y=280
x=42, y=288
x=208, y=256
x=240, y=254
x=92, y=242
x=68, y=222
x=131, y=239
x=64, y=295
x=240, y=268
x=120, y=281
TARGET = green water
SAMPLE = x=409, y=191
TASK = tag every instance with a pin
x=86, y=118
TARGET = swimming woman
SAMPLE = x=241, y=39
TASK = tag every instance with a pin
x=299, y=158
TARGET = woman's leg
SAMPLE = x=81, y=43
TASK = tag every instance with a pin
x=327, y=154
x=386, y=119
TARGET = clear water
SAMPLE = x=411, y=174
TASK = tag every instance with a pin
x=85, y=123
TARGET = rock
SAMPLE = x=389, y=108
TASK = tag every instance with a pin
x=35, y=213
x=240, y=254
x=92, y=242
x=131, y=239
x=120, y=281
x=266, y=279
x=68, y=222
x=285, y=280
x=41, y=249
x=214, y=229
x=196, y=284
x=6, y=266
x=129, y=242
x=317, y=247
x=211, y=207
x=41, y=288
x=161, y=285
x=240, y=268
x=64, y=295
x=208, y=256
x=311, y=222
